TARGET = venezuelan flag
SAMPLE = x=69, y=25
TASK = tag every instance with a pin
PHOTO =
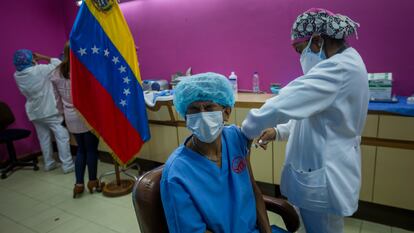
x=105, y=78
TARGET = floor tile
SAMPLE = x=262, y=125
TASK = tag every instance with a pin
x=43, y=191
x=95, y=228
x=114, y=217
x=369, y=227
x=8, y=225
x=132, y=228
x=399, y=230
x=275, y=219
x=352, y=225
x=124, y=201
x=47, y=220
x=101, y=211
x=19, y=177
x=21, y=207
x=73, y=225
x=6, y=195
x=42, y=202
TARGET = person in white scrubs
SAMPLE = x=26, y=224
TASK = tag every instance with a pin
x=322, y=115
x=34, y=83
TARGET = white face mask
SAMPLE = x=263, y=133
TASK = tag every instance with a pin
x=206, y=126
x=309, y=59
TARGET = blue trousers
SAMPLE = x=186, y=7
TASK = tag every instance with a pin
x=87, y=154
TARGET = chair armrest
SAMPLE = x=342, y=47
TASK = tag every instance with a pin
x=285, y=210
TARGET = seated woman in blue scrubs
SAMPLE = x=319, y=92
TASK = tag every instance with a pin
x=207, y=184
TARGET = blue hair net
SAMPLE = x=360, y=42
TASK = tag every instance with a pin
x=203, y=87
x=22, y=59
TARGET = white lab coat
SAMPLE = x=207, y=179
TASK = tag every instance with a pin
x=34, y=83
x=326, y=110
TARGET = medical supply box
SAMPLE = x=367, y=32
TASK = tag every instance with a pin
x=380, y=86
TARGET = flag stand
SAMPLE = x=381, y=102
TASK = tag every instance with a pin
x=118, y=187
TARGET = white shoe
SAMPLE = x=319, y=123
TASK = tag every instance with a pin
x=51, y=167
x=69, y=170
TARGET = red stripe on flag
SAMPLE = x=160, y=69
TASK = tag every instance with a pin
x=98, y=108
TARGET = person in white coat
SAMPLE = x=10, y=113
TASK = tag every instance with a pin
x=34, y=83
x=322, y=115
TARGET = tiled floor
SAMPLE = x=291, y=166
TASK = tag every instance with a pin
x=42, y=202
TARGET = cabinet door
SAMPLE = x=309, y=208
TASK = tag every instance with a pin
x=143, y=153
x=394, y=185
x=368, y=155
x=279, y=151
x=371, y=126
x=232, y=119
x=261, y=160
x=183, y=133
x=396, y=127
x=164, y=141
x=240, y=114
x=262, y=164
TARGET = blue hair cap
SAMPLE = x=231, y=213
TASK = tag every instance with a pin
x=22, y=59
x=203, y=87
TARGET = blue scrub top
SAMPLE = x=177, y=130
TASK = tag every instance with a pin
x=198, y=195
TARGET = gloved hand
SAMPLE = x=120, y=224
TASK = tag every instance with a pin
x=267, y=136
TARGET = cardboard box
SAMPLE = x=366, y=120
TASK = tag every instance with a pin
x=380, y=85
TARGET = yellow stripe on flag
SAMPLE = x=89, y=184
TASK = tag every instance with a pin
x=116, y=28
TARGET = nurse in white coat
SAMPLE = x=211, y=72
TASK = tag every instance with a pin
x=322, y=115
x=34, y=83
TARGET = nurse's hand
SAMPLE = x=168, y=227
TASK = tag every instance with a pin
x=267, y=136
x=38, y=57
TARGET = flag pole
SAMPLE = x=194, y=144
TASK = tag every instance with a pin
x=118, y=177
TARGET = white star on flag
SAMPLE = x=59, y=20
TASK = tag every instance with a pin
x=122, y=69
x=106, y=52
x=127, y=92
x=126, y=80
x=123, y=103
x=95, y=50
x=82, y=51
x=115, y=60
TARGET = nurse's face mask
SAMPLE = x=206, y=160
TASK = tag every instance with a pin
x=206, y=125
x=309, y=59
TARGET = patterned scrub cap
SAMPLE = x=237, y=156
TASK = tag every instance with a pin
x=22, y=59
x=321, y=21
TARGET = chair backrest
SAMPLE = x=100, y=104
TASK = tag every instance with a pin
x=6, y=116
x=146, y=197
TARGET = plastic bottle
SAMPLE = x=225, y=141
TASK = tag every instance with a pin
x=256, y=82
x=410, y=100
x=233, y=81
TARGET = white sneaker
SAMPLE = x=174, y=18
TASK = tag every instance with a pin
x=51, y=167
x=69, y=170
